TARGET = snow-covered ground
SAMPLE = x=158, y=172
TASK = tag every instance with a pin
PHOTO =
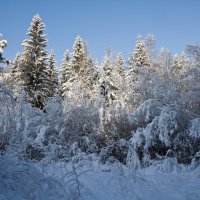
x=90, y=180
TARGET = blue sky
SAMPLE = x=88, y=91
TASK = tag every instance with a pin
x=174, y=23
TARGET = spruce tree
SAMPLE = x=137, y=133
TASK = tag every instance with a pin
x=141, y=57
x=53, y=75
x=119, y=79
x=83, y=72
x=35, y=71
x=17, y=67
x=3, y=44
x=120, y=65
x=67, y=74
x=79, y=58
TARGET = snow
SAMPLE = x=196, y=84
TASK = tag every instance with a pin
x=91, y=180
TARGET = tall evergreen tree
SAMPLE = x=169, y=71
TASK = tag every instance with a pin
x=3, y=44
x=79, y=57
x=35, y=71
x=16, y=68
x=81, y=72
x=53, y=75
x=120, y=65
x=139, y=57
x=66, y=72
x=108, y=80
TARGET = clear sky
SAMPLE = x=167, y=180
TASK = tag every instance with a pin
x=174, y=23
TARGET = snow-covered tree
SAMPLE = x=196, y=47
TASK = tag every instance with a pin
x=149, y=44
x=17, y=82
x=53, y=75
x=72, y=70
x=67, y=73
x=108, y=82
x=164, y=64
x=79, y=74
x=79, y=58
x=120, y=65
x=35, y=71
x=176, y=61
x=3, y=44
x=140, y=57
x=179, y=66
x=194, y=52
x=138, y=60
x=66, y=67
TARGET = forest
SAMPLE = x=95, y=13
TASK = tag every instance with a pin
x=64, y=127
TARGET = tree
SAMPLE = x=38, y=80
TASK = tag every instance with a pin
x=120, y=65
x=164, y=64
x=108, y=81
x=35, y=73
x=140, y=57
x=149, y=44
x=66, y=73
x=194, y=52
x=53, y=75
x=80, y=73
x=16, y=68
x=3, y=44
x=138, y=60
x=79, y=57
x=179, y=63
x=72, y=71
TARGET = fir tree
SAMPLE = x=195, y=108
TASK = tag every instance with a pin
x=79, y=58
x=35, y=71
x=66, y=73
x=3, y=44
x=83, y=76
x=120, y=65
x=16, y=68
x=53, y=75
x=141, y=57
x=108, y=85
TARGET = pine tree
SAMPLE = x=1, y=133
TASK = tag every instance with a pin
x=83, y=73
x=16, y=68
x=139, y=58
x=35, y=71
x=66, y=67
x=120, y=65
x=67, y=73
x=3, y=44
x=79, y=58
x=140, y=54
x=178, y=64
x=53, y=75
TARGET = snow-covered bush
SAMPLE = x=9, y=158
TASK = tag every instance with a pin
x=116, y=125
x=81, y=124
x=145, y=113
x=165, y=135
